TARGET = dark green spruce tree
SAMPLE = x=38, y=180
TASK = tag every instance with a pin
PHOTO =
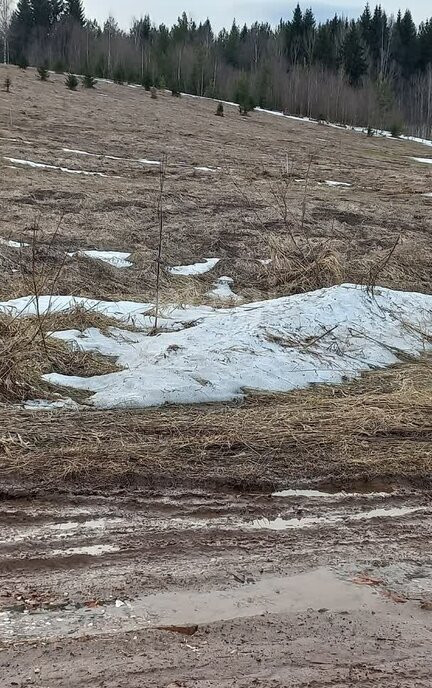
x=354, y=58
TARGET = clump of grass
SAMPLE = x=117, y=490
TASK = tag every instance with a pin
x=27, y=352
x=293, y=270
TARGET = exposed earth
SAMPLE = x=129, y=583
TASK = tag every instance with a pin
x=187, y=588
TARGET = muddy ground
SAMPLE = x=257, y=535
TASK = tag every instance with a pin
x=189, y=588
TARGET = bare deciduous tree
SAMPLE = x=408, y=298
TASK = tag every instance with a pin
x=5, y=19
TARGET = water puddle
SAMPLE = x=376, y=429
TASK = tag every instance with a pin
x=310, y=521
x=328, y=495
x=92, y=550
x=276, y=595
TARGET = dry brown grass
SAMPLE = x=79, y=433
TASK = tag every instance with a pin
x=229, y=213
x=375, y=429
x=27, y=352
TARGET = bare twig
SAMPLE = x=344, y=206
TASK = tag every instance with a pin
x=162, y=175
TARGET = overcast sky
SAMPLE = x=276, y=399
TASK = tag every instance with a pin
x=222, y=12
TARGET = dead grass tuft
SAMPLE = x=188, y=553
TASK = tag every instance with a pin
x=374, y=429
x=27, y=353
x=293, y=270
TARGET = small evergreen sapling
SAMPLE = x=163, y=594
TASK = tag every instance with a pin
x=71, y=82
x=22, y=62
x=119, y=75
x=7, y=84
x=43, y=73
x=220, y=110
x=88, y=81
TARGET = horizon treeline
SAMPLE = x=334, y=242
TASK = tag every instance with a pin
x=373, y=71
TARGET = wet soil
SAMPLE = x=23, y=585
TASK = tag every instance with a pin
x=188, y=588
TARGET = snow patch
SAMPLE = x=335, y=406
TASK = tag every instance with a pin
x=149, y=162
x=194, y=268
x=331, y=183
x=263, y=346
x=13, y=244
x=42, y=165
x=428, y=161
x=48, y=405
x=116, y=258
x=131, y=312
x=222, y=290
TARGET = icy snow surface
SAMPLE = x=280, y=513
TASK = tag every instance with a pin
x=195, y=268
x=131, y=312
x=277, y=345
x=428, y=161
x=116, y=258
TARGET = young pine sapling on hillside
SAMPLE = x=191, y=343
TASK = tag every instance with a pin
x=7, y=84
x=88, y=81
x=22, y=62
x=220, y=110
x=43, y=73
x=244, y=97
x=71, y=82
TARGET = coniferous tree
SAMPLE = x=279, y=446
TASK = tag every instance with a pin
x=405, y=47
x=42, y=14
x=71, y=82
x=22, y=25
x=74, y=9
x=354, y=60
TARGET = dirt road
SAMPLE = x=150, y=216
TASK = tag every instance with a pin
x=191, y=589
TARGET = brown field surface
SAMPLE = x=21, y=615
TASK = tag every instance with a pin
x=148, y=548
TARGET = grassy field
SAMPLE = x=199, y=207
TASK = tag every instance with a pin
x=264, y=196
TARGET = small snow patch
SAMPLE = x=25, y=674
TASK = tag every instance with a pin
x=43, y=165
x=428, y=161
x=143, y=161
x=331, y=183
x=48, y=405
x=222, y=290
x=194, y=268
x=116, y=258
x=13, y=244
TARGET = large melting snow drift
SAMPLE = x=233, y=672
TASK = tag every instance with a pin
x=324, y=336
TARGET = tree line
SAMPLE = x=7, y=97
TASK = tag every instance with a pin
x=373, y=71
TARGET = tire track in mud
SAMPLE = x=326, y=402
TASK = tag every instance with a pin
x=117, y=571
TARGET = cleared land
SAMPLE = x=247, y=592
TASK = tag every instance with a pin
x=145, y=548
x=242, y=210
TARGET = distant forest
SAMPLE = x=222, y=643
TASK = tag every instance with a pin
x=373, y=71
